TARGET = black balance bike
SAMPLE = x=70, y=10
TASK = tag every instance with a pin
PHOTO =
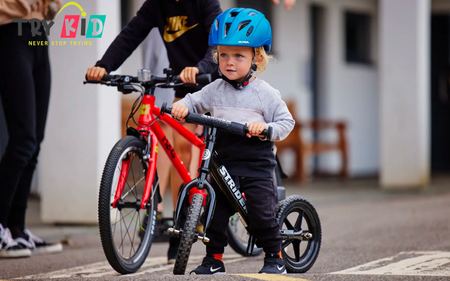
x=299, y=222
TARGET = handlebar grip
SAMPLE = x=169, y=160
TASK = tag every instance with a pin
x=107, y=77
x=203, y=78
x=200, y=79
x=165, y=108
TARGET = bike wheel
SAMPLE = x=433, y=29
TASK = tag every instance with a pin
x=295, y=214
x=189, y=234
x=126, y=231
x=238, y=237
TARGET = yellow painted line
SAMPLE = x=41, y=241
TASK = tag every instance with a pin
x=271, y=277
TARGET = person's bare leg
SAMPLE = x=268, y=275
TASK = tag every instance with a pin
x=195, y=152
x=163, y=165
x=184, y=150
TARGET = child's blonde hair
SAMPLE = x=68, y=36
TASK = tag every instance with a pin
x=258, y=51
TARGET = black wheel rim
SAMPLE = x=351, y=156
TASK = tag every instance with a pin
x=300, y=253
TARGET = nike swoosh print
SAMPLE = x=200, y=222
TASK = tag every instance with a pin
x=170, y=36
x=214, y=269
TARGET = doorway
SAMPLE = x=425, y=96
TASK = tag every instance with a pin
x=440, y=93
x=317, y=39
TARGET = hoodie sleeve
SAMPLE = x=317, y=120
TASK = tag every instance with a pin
x=210, y=9
x=130, y=37
x=277, y=115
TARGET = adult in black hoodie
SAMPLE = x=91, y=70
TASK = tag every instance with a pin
x=184, y=26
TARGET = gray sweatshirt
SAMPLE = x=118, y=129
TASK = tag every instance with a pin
x=258, y=101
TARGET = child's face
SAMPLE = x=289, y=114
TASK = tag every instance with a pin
x=234, y=61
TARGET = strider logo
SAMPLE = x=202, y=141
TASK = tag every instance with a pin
x=236, y=192
x=175, y=27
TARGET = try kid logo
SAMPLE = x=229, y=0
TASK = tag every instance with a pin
x=71, y=24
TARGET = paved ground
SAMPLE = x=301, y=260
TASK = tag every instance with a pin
x=368, y=234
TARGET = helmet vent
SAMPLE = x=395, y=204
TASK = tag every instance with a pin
x=243, y=24
x=233, y=14
x=252, y=14
x=216, y=24
x=227, y=28
x=249, y=31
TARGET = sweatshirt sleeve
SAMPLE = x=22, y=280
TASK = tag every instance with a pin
x=130, y=37
x=14, y=9
x=201, y=101
x=277, y=115
x=210, y=9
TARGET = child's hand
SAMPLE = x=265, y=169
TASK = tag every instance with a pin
x=179, y=111
x=255, y=128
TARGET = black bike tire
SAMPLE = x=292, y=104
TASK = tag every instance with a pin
x=189, y=234
x=283, y=209
x=120, y=264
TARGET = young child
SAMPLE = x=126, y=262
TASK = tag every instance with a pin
x=243, y=37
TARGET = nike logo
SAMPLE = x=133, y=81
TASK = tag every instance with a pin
x=214, y=269
x=280, y=268
x=175, y=27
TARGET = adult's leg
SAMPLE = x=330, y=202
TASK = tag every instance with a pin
x=17, y=91
x=163, y=165
x=41, y=78
x=184, y=151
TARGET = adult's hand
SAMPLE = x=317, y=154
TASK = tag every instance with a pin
x=188, y=74
x=288, y=4
x=95, y=73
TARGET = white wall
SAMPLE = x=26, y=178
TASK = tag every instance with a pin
x=348, y=91
x=405, y=93
x=83, y=123
x=351, y=92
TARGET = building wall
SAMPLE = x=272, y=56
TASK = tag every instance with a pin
x=348, y=91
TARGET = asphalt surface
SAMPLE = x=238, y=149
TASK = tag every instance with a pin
x=403, y=234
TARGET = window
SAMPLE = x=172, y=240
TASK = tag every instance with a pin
x=357, y=37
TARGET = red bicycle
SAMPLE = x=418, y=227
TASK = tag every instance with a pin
x=129, y=190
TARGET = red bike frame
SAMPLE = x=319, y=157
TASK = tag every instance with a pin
x=147, y=122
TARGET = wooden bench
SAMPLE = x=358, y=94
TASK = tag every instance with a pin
x=304, y=149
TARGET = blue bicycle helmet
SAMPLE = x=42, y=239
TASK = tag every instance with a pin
x=241, y=27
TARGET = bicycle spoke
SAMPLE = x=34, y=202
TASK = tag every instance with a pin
x=132, y=188
x=298, y=223
x=287, y=243
x=288, y=224
x=296, y=245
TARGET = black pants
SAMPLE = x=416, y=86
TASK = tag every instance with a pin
x=25, y=92
x=262, y=197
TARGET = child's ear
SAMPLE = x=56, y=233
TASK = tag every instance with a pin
x=258, y=59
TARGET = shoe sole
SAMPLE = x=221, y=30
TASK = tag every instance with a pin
x=193, y=273
x=56, y=248
x=15, y=253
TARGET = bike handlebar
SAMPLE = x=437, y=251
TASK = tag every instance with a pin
x=168, y=81
x=222, y=124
